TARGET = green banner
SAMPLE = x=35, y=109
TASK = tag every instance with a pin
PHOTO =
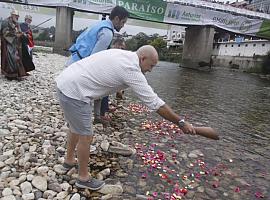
x=264, y=30
x=145, y=9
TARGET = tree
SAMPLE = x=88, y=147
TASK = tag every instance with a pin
x=159, y=43
x=165, y=54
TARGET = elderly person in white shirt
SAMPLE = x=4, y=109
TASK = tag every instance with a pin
x=94, y=77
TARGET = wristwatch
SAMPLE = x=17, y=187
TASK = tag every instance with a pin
x=181, y=123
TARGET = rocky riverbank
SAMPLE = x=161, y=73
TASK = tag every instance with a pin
x=139, y=155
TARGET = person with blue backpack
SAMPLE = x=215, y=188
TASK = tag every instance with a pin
x=99, y=36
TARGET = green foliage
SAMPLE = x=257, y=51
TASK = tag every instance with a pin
x=137, y=41
x=266, y=64
x=165, y=54
x=159, y=43
x=43, y=36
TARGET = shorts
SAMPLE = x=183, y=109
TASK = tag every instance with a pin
x=78, y=114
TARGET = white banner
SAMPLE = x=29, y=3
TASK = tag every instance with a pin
x=162, y=11
x=188, y=15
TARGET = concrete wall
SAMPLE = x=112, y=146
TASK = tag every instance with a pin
x=244, y=49
x=198, y=46
x=242, y=56
x=63, y=32
x=241, y=63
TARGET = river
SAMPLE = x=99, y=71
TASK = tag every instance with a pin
x=237, y=105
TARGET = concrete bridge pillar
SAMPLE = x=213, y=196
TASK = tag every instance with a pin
x=198, y=46
x=63, y=31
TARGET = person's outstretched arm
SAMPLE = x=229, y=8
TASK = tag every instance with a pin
x=167, y=113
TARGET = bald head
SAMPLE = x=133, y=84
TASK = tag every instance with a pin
x=148, y=57
x=147, y=50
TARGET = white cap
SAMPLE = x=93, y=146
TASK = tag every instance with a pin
x=14, y=12
x=28, y=17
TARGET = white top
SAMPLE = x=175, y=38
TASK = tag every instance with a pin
x=105, y=73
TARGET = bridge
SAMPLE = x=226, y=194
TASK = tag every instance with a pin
x=200, y=17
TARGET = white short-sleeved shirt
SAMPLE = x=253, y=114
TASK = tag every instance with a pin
x=105, y=73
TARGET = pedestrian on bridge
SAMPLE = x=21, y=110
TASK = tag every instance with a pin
x=94, y=77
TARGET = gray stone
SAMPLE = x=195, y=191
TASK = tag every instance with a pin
x=29, y=196
x=10, y=197
x=59, y=169
x=111, y=189
x=106, y=197
x=4, y=132
x=65, y=186
x=49, y=194
x=14, y=183
x=121, y=150
x=105, y=145
x=55, y=187
x=26, y=187
x=7, y=192
x=62, y=195
x=8, y=153
x=75, y=196
x=42, y=170
x=40, y=183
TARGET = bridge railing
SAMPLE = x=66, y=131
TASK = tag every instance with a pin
x=225, y=8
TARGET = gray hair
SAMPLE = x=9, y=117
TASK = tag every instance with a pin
x=28, y=17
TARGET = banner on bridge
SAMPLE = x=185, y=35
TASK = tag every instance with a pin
x=165, y=12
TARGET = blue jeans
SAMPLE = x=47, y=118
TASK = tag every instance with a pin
x=101, y=106
x=104, y=106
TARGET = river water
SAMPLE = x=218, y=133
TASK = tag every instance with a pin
x=238, y=106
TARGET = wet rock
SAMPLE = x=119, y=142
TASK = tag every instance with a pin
x=141, y=197
x=122, y=151
x=195, y=154
x=211, y=193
